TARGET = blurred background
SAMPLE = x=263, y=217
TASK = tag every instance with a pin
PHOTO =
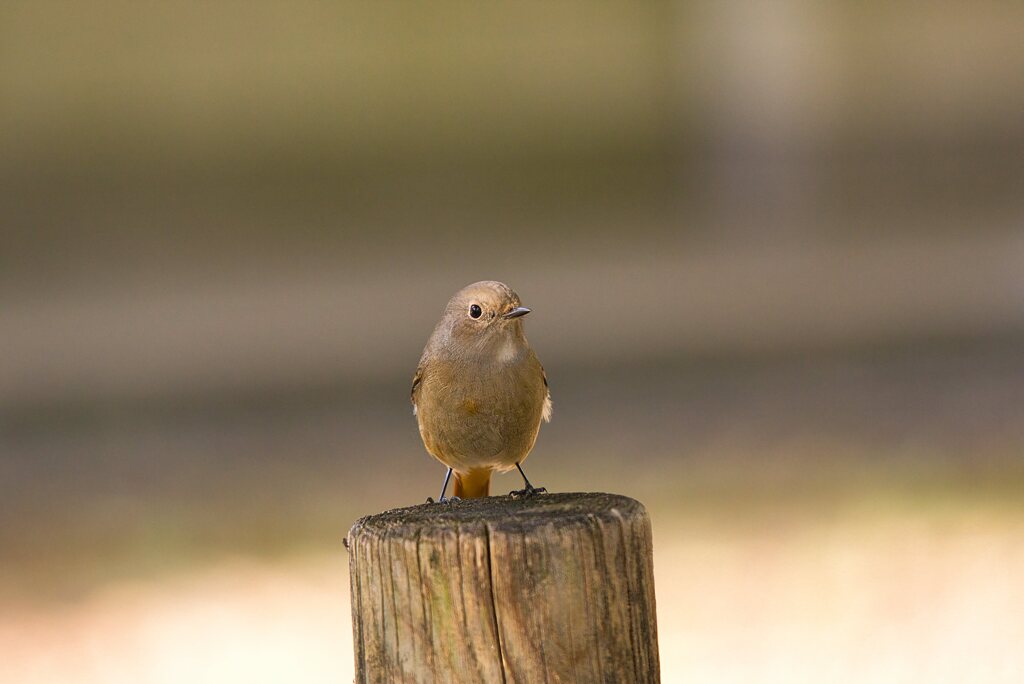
x=775, y=254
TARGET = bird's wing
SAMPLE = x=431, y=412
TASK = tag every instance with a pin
x=546, y=411
x=415, y=386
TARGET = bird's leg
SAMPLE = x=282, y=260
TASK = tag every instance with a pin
x=529, y=490
x=444, y=488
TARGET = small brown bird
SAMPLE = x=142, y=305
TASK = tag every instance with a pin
x=480, y=393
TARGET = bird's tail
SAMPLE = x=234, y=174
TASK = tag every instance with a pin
x=472, y=485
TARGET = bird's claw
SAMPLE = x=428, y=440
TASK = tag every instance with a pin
x=527, y=492
x=444, y=500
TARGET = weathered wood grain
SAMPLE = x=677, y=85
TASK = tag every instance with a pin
x=554, y=588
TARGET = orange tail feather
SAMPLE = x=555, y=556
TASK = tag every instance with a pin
x=472, y=485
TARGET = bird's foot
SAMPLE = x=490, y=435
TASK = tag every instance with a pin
x=444, y=500
x=526, y=493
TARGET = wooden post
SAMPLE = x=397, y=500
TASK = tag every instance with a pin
x=552, y=588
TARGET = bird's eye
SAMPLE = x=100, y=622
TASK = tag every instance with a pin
x=475, y=311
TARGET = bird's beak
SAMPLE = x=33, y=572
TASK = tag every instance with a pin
x=517, y=312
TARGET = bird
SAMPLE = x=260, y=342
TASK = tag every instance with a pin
x=479, y=393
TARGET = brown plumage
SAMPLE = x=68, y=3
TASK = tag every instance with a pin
x=480, y=393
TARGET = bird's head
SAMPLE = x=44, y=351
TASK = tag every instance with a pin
x=482, y=315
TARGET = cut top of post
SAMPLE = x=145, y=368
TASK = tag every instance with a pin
x=502, y=513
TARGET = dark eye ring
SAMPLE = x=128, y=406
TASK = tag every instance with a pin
x=475, y=311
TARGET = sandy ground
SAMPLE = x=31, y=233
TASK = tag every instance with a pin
x=897, y=598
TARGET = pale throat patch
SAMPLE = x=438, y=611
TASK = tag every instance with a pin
x=507, y=351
